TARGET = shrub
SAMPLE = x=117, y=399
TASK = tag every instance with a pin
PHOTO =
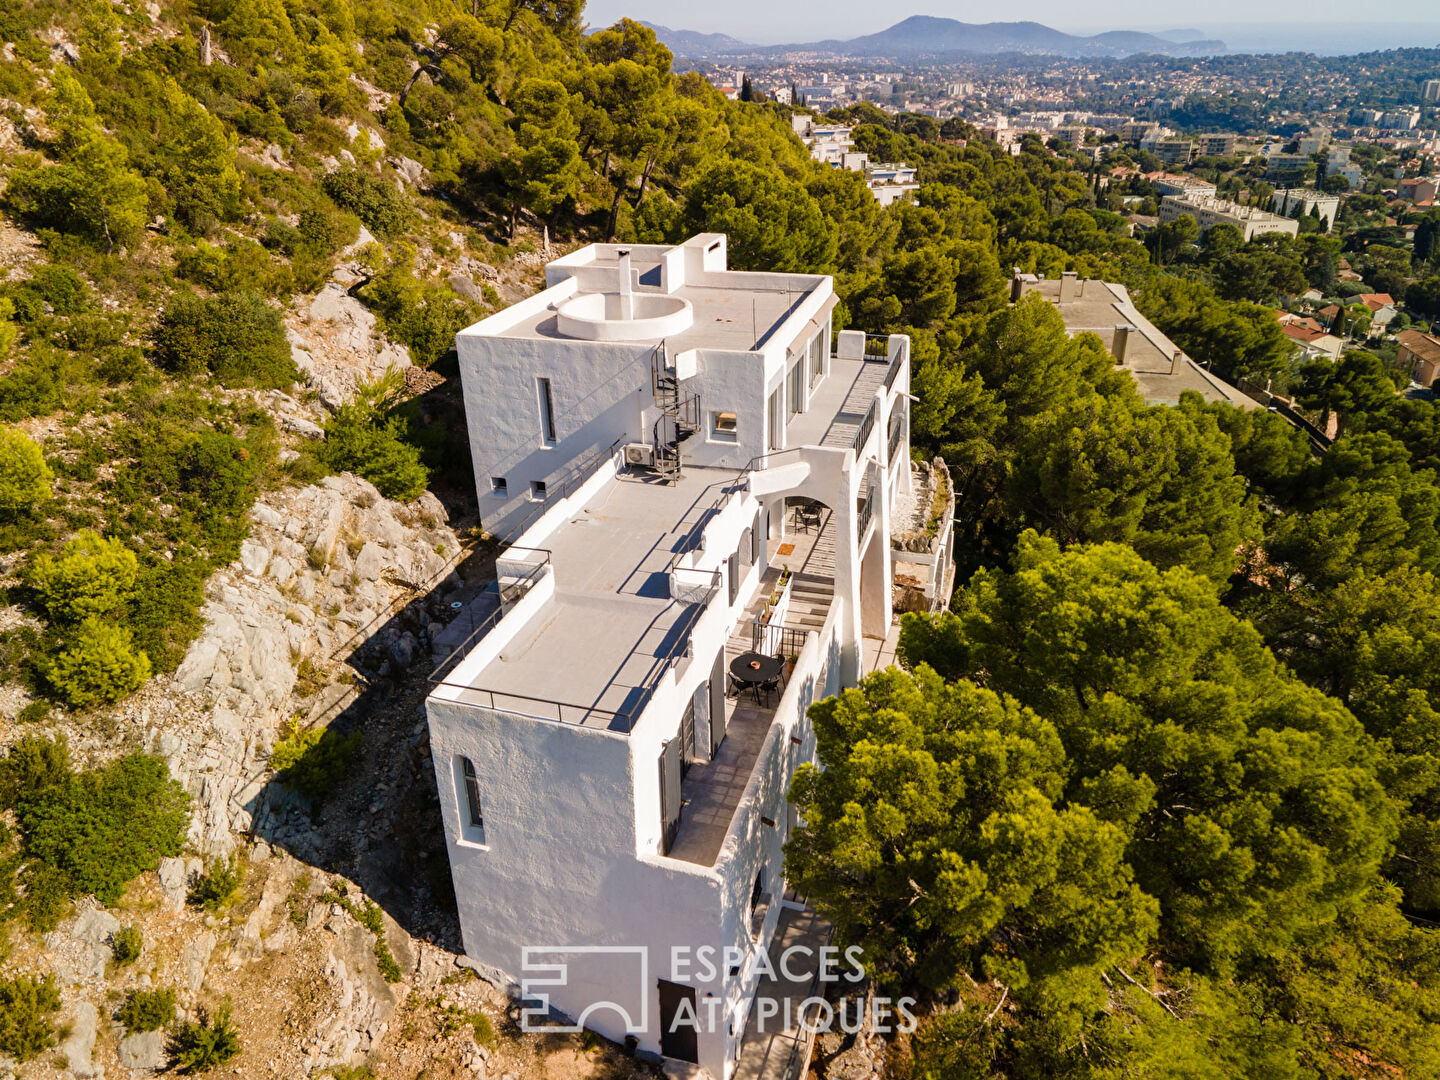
x=100, y=666
x=102, y=827
x=24, y=476
x=213, y=890
x=92, y=577
x=359, y=440
x=125, y=946
x=312, y=762
x=203, y=1044
x=34, y=764
x=425, y=316
x=147, y=1010
x=27, y=1009
x=235, y=336
x=382, y=208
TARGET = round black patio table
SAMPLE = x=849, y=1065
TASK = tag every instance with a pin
x=754, y=668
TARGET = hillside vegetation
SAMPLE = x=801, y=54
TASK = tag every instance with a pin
x=1161, y=795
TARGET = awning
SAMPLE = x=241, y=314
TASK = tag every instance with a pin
x=817, y=322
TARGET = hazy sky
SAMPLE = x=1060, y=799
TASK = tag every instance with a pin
x=767, y=22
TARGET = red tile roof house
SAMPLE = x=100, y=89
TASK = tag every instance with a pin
x=1313, y=344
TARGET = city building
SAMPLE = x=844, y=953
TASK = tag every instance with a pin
x=1404, y=118
x=1285, y=201
x=1280, y=162
x=1208, y=211
x=712, y=514
x=1172, y=151
x=1217, y=145
x=1169, y=184
x=1161, y=370
x=1430, y=92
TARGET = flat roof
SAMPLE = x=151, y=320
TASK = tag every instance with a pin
x=735, y=318
x=1100, y=306
x=607, y=634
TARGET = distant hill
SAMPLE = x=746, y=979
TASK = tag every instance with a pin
x=924, y=35
x=689, y=43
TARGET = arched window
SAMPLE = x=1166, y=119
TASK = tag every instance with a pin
x=472, y=815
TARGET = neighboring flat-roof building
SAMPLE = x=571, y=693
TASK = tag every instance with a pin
x=891, y=182
x=701, y=497
x=1161, y=370
x=1208, y=211
x=1285, y=201
x=1170, y=184
x=1217, y=145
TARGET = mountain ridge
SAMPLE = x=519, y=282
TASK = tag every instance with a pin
x=928, y=35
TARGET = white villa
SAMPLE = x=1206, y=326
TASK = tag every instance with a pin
x=833, y=145
x=689, y=475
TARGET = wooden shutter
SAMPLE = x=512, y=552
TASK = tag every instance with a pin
x=669, y=794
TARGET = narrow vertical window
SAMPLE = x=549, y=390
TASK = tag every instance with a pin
x=547, y=411
x=472, y=793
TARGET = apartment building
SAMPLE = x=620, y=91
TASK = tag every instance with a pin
x=1286, y=201
x=1208, y=211
x=1172, y=151
x=1279, y=162
x=1171, y=184
x=1217, y=145
x=690, y=476
x=1419, y=356
x=1430, y=92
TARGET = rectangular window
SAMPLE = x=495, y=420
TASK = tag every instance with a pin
x=723, y=426
x=472, y=793
x=547, y=411
x=817, y=357
x=537, y=490
x=498, y=487
x=797, y=386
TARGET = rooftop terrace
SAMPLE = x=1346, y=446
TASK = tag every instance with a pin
x=611, y=564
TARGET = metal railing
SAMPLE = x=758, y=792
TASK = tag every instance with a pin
x=862, y=435
x=574, y=477
x=772, y=640
x=866, y=510
x=897, y=432
x=510, y=593
x=877, y=347
x=691, y=540
x=565, y=712
x=896, y=363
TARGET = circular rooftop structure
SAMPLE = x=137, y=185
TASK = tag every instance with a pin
x=597, y=316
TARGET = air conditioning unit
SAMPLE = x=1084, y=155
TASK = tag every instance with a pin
x=641, y=454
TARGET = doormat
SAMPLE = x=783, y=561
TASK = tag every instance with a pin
x=785, y=549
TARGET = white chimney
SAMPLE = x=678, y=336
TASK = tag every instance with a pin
x=627, y=299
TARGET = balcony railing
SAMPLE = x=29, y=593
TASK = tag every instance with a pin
x=862, y=434
x=516, y=586
x=897, y=433
x=865, y=511
x=896, y=363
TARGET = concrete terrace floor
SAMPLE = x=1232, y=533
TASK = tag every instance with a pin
x=598, y=646
x=839, y=405
x=775, y=1047
x=712, y=790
